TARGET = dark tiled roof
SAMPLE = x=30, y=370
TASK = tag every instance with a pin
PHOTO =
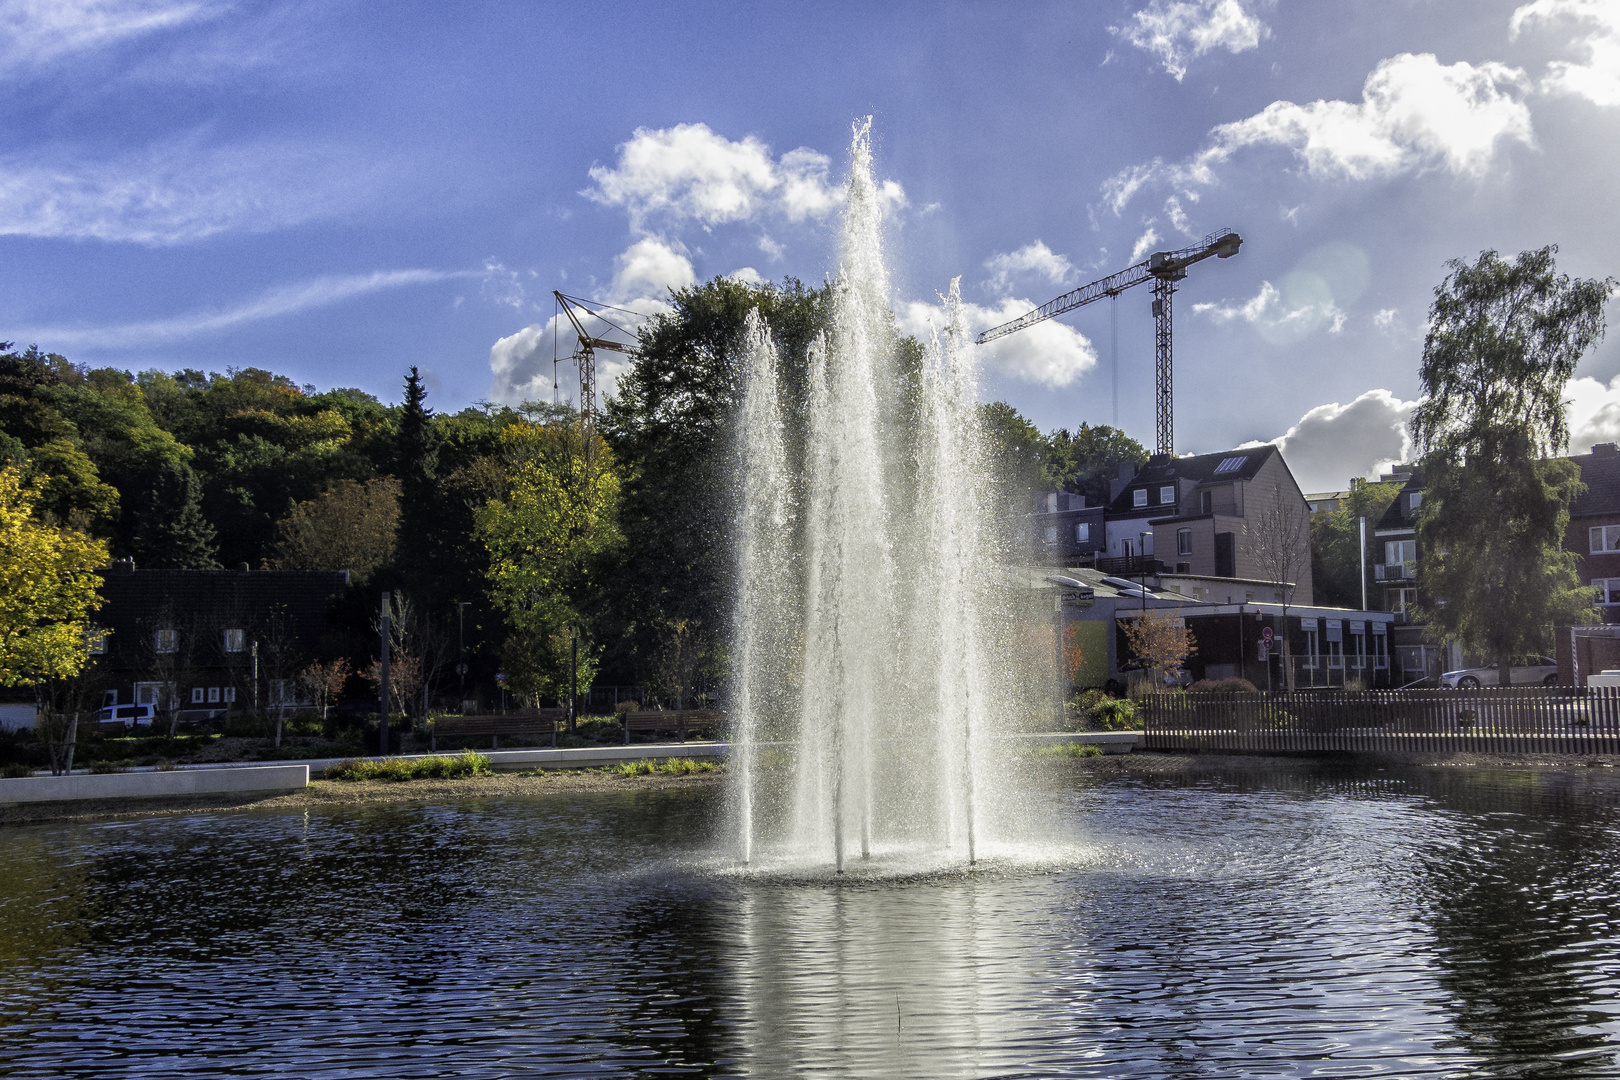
x=1397, y=517
x=209, y=600
x=1200, y=468
x=1600, y=471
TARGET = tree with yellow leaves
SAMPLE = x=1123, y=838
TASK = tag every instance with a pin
x=49, y=575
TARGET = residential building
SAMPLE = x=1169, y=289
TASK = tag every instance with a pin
x=1066, y=531
x=1594, y=526
x=207, y=641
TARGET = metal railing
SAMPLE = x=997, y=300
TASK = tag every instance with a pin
x=1519, y=720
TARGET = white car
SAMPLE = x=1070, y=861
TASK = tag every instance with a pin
x=127, y=715
x=1524, y=671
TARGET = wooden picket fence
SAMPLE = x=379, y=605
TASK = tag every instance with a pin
x=1518, y=720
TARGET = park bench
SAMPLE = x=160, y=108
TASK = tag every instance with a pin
x=680, y=722
x=528, y=724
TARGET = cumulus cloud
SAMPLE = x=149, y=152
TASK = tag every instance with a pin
x=1415, y=114
x=650, y=267
x=1597, y=76
x=37, y=32
x=1050, y=353
x=691, y=173
x=1179, y=31
x=1034, y=259
x=1332, y=443
x=1593, y=411
x=1384, y=318
x=179, y=192
x=1281, y=316
x=283, y=300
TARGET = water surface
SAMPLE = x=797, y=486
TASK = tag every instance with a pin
x=1297, y=921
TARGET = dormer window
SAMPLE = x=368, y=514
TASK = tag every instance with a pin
x=1413, y=501
x=1167, y=495
x=1139, y=497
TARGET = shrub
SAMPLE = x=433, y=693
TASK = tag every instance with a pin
x=1113, y=714
x=601, y=727
x=466, y=763
x=672, y=767
x=109, y=767
x=1223, y=686
x=1070, y=750
x=626, y=707
x=14, y=772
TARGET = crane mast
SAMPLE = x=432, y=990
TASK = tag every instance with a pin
x=1164, y=269
x=578, y=310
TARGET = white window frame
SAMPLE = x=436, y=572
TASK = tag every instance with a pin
x=1183, y=541
x=1310, y=648
x=1051, y=534
x=1397, y=552
x=229, y=694
x=1082, y=532
x=1139, y=497
x=1610, y=591
x=1601, y=538
x=95, y=641
x=1167, y=495
x=1380, y=647
x=198, y=694
x=1414, y=500
x=235, y=640
x=213, y=695
x=166, y=641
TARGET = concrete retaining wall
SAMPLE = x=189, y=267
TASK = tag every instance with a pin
x=151, y=785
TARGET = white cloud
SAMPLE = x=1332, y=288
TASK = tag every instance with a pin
x=1178, y=31
x=1050, y=353
x=179, y=192
x=285, y=300
x=690, y=173
x=770, y=247
x=37, y=32
x=1415, y=114
x=1177, y=216
x=1384, y=318
x=1593, y=411
x=504, y=286
x=1597, y=78
x=1143, y=245
x=1335, y=442
x=1284, y=315
x=748, y=276
x=650, y=267
x=1034, y=259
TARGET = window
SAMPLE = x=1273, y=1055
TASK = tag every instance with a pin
x=1358, y=644
x=1206, y=501
x=213, y=696
x=166, y=640
x=236, y=641
x=229, y=694
x=96, y=642
x=197, y=695
x=1051, y=534
x=1231, y=464
x=1139, y=497
x=1082, y=532
x=1400, y=551
x=1183, y=541
x=1167, y=495
x=1402, y=600
x=1310, y=646
x=1051, y=503
x=1335, y=643
x=1380, y=647
x=1608, y=589
x=1603, y=538
x=1413, y=501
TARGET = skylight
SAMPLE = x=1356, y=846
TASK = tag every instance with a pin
x=1231, y=464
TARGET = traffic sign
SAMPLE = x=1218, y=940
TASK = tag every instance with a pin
x=1265, y=637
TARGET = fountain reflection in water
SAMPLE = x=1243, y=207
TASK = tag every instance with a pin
x=879, y=589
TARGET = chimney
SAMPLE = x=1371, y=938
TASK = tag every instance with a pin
x=242, y=567
x=121, y=566
x=1605, y=449
x=1127, y=473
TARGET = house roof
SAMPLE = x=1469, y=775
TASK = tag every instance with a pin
x=1600, y=472
x=1397, y=516
x=1201, y=469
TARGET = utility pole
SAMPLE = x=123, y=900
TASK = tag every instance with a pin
x=461, y=651
x=1363, y=521
x=382, y=683
x=573, y=677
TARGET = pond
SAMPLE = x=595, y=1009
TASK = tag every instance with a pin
x=1294, y=919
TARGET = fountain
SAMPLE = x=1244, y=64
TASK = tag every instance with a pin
x=866, y=570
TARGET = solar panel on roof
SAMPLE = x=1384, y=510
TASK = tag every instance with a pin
x=1231, y=464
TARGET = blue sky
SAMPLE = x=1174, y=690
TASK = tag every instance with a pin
x=338, y=191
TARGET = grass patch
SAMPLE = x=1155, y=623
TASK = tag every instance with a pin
x=1070, y=750
x=671, y=767
x=466, y=763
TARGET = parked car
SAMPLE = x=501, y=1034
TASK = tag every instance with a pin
x=1524, y=671
x=127, y=715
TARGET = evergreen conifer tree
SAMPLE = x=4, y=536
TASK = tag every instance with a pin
x=170, y=530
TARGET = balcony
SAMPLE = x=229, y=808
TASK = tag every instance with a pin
x=1397, y=571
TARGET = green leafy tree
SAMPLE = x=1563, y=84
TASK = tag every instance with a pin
x=545, y=536
x=1019, y=453
x=1089, y=459
x=49, y=575
x=1504, y=339
x=1336, y=543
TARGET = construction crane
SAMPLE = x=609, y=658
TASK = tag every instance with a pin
x=579, y=311
x=1164, y=269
